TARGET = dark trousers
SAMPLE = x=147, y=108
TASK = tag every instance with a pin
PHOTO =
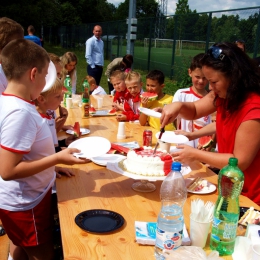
x=110, y=87
x=96, y=73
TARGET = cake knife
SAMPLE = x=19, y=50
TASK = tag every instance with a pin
x=157, y=144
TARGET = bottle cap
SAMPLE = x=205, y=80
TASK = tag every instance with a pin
x=233, y=161
x=176, y=166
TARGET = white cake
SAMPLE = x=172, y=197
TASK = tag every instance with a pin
x=144, y=162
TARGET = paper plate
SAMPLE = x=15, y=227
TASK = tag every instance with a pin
x=105, y=158
x=50, y=77
x=149, y=112
x=84, y=131
x=208, y=186
x=171, y=137
x=91, y=146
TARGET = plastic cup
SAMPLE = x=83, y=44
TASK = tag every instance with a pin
x=164, y=146
x=121, y=130
x=256, y=252
x=199, y=232
x=99, y=102
x=68, y=103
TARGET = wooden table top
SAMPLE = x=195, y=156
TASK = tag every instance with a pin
x=95, y=187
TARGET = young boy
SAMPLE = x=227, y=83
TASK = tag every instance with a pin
x=117, y=79
x=195, y=92
x=94, y=88
x=132, y=102
x=27, y=154
x=9, y=30
x=155, y=84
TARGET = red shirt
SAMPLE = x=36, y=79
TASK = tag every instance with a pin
x=131, y=106
x=227, y=126
x=120, y=96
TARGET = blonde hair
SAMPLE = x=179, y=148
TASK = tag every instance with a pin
x=118, y=74
x=133, y=76
x=55, y=58
x=57, y=87
x=67, y=58
x=91, y=80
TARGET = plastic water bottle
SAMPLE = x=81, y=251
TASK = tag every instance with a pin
x=226, y=212
x=170, y=220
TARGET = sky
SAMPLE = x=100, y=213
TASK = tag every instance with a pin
x=205, y=5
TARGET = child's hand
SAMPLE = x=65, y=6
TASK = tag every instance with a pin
x=67, y=127
x=66, y=157
x=121, y=118
x=63, y=171
x=116, y=105
x=182, y=132
x=144, y=101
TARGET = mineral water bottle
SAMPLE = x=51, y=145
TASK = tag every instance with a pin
x=67, y=85
x=170, y=220
x=85, y=103
x=226, y=212
x=86, y=90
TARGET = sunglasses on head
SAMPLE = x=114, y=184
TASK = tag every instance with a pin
x=216, y=53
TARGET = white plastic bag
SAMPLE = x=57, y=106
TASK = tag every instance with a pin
x=191, y=253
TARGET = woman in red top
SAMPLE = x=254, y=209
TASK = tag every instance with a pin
x=235, y=82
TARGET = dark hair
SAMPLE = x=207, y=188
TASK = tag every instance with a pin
x=127, y=62
x=238, y=67
x=195, y=63
x=242, y=42
x=156, y=75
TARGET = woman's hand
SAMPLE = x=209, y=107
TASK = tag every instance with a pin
x=182, y=132
x=185, y=154
x=169, y=113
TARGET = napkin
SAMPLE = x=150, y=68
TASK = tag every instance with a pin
x=242, y=248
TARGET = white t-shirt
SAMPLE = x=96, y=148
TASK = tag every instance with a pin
x=3, y=80
x=99, y=91
x=51, y=123
x=24, y=131
x=188, y=95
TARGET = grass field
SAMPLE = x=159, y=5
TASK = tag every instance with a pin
x=160, y=58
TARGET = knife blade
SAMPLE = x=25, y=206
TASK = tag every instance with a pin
x=159, y=138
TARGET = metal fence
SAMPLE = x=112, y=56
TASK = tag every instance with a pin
x=180, y=37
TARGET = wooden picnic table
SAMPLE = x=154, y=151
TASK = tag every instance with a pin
x=95, y=187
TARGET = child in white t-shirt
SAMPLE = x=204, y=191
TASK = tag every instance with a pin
x=27, y=153
x=191, y=94
x=94, y=88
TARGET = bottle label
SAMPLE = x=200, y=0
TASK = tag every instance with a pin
x=168, y=240
x=222, y=230
x=85, y=109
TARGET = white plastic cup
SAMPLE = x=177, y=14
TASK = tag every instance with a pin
x=99, y=102
x=121, y=130
x=256, y=252
x=164, y=146
x=68, y=103
x=199, y=232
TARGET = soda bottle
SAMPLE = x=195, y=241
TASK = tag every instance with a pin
x=170, y=220
x=85, y=89
x=226, y=212
x=85, y=103
x=67, y=85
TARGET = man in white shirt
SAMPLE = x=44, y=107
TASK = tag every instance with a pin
x=95, y=54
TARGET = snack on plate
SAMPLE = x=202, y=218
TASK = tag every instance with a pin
x=205, y=141
x=251, y=216
x=151, y=96
x=92, y=110
x=76, y=129
x=112, y=112
x=144, y=162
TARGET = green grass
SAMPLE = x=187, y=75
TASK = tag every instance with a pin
x=161, y=58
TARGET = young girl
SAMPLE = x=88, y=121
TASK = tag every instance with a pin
x=69, y=61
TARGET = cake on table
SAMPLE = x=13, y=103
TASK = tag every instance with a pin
x=144, y=162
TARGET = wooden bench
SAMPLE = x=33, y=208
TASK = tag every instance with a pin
x=4, y=246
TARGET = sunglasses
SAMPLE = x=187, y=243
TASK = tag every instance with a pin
x=216, y=53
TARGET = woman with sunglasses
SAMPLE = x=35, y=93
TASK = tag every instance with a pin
x=235, y=82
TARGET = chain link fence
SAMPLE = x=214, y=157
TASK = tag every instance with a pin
x=168, y=43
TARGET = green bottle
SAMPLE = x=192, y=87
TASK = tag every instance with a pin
x=226, y=212
x=68, y=86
